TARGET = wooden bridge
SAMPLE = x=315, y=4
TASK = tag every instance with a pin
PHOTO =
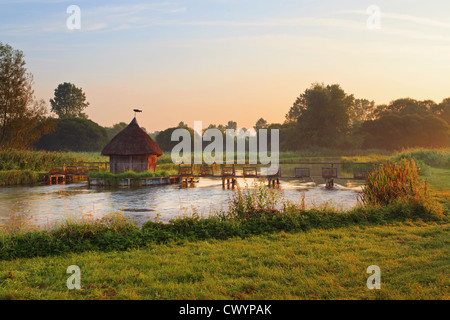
x=73, y=172
x=302, y=170
x=229, y=173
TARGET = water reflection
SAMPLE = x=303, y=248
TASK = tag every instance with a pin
x=42, y=205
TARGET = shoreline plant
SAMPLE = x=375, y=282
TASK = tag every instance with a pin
x=398, y=181
x=113, y=179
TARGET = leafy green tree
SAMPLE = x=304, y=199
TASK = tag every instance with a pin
x=261, y=124
x=405, y=106
x=164, y=138
x=294, y=112
x=394, y=132
x=325, y=115
x=115, y=129
x=221, y=128
x=442, y=110
x=74, y=134
x=364, y=110
x=69, y=101
x=231, y=125
x=22, y=118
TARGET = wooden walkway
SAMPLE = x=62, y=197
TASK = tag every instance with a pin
x=229, y=175
x=73, y=172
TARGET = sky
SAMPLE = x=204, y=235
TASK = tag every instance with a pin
x=220, y=60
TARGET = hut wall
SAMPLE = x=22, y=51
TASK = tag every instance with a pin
x=152, y=163
x=139, y=163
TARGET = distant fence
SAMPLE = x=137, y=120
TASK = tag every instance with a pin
x=288, y=170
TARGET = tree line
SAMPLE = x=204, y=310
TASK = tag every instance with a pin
x=321, y=116
x=326, y=116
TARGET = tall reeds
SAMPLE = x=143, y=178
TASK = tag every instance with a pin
x=19, y=177
x=256, y=200
x=12, y=159
x=398, y=182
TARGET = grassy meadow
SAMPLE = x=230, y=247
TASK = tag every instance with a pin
x=318, y=264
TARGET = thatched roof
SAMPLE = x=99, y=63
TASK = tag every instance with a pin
x=132, y=141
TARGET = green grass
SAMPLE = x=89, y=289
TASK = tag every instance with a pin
x=439, y=181
x=318, y=264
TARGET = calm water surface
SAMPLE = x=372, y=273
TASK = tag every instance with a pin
x=43, y=205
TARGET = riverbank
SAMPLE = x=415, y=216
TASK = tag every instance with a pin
x=318, y=264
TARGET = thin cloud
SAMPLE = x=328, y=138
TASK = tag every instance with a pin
x=403, y=17
x=97, y=26
x=114, y=17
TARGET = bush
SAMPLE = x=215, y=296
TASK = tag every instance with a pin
x=19, y=177
x=74, y=134
x=394, y=132
x=398, y=182
x=432, y=158
x=113, y=179
x=258, y=200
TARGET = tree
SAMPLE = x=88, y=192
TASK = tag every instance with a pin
x=74, y=134
x=22, y=118
x=261, y=124
x=221, y=128
x=294, y=112
x=405, y=106
x=393, y=131
x=325, y=114
x=115, y=129
x=164, y=138
x=30, y=127
x=69, y=101
x=442, y=110
x=364, y=110
x=231, y=125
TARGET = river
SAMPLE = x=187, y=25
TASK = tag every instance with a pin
x=43, y=205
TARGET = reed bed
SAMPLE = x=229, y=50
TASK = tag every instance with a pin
x=43, y=161
x=112, y=179
x=19, y=177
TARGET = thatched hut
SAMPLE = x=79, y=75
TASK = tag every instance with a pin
x=132, y=149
